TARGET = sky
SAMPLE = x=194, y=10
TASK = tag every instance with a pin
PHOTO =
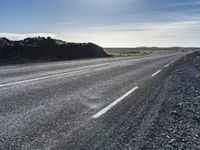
x=108, y=23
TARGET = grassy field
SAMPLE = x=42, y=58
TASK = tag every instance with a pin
x=125, y=52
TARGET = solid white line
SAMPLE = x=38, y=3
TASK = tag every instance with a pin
x=157, y=72
x=103, y=111
x=167, y=65
x=61, y=74
x=42, y=78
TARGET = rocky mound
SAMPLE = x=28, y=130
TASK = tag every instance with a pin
x=46, y=49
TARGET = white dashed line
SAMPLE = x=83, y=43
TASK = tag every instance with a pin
x=172, y=62
x=103, y=111
x=167, y=65
x=157, y=72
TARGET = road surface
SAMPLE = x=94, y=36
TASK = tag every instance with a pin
x=74, y=104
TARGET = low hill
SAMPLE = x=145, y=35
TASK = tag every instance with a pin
x=46, y=49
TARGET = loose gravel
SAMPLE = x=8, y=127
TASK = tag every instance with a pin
x=178, y=123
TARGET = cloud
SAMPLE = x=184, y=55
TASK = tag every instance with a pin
x=175, y=33
x=16, y=36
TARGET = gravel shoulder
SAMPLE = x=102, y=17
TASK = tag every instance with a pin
x=177, y=123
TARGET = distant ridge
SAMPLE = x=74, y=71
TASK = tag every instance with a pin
x=40, y=49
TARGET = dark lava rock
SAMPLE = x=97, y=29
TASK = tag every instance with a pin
x=197, y=119
x=46, y=49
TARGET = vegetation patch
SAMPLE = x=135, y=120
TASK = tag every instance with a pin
x=126, y=52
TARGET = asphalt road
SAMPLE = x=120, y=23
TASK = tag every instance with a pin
x=74, y=104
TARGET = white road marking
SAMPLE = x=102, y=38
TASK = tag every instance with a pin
x=42, y=78
x=167, y=65
x=71, y=73
x=157, y=72
x=172, y=62
x=63, y=74
x=103, y=111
